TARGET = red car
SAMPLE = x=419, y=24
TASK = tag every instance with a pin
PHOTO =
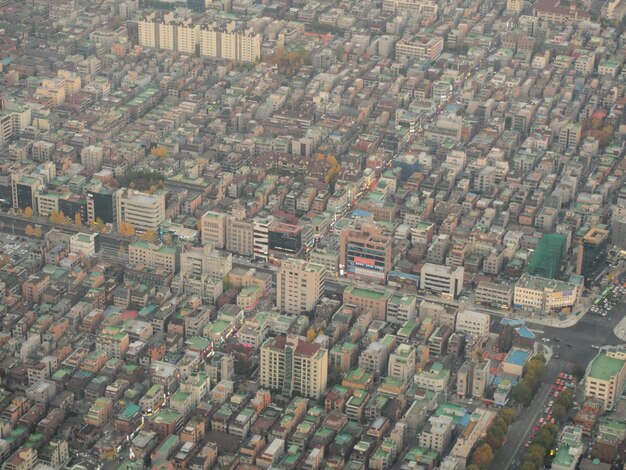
x=536, y=428
x=554, y=387
x=527, y=445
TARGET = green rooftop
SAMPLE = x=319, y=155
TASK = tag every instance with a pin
x=604, y=367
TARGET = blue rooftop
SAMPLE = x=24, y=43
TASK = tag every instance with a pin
x=361, y=213
x=524, y=332
x=512, y=321
x=517, y=357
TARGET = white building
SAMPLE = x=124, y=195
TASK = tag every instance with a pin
x=85, y=244
x=474, y=323
x=299, y=286
x=442, y=279
x=143, y=211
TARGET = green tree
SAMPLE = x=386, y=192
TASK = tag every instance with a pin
x=545, y=438
x=578, y=371
x=559, y=413
x=483, y=456
x=509, y=415
x=535, y=454
x=522, y=392
x=528, y=466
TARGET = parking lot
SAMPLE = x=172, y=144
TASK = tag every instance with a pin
x=564, y=382
x=605, y=302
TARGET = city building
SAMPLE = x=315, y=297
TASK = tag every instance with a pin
x=592, y=252
x=290, y=365
x=442, y=280
x=606, y=376
x=299, y=286
x=365, y=253
x=140, y=210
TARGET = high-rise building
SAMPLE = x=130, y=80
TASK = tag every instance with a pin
x=299, y=285
x=592, y=251
x=230, y=44
x=143, y=211
x=188, y=37
x=101, y=205
x=24, y=189
x=14, y=117
x=149, y=32
x=291, y=365
x=365, y=252
x=261, y=230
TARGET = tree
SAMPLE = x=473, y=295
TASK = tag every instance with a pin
x=38, y=232
x=311, y=334
x=29, y=230
x=508, y=415
x=99, y=225
x=148, y=235
x=528, y=466
x=535, y=454
x=545, y=438
x=126, y=229
x=158, y=151
x=495, y=438
x=483, y=456
x=578, y=371
x=522, y=392
x=77, y=220
x=559, y=413
x=28, y=212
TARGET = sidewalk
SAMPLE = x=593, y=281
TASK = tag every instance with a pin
x=555, y=320
x=620, y=329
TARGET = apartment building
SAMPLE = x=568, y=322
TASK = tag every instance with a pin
x=230, y=44
x=299, y=286
x=291, y=365
x=143, y=211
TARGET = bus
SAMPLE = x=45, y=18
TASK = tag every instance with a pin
x=597, y=300
x=605, y=292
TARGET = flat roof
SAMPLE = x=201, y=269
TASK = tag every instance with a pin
x=604, y=367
